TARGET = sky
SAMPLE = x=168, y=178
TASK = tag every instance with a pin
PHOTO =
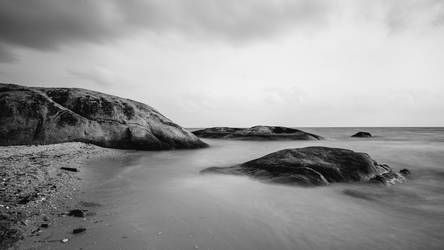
x=203, y=63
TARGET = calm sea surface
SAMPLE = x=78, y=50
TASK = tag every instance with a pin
x=158, y=200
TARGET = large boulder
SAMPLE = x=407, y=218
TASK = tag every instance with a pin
x=256, y=133
x=314, y=166
x=30, y=115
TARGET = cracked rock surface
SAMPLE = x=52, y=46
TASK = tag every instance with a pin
x=31, y=115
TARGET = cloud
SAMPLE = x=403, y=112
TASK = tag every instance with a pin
x=5, y=55
x=49, y=24
x=98, y=75
x=401, y=15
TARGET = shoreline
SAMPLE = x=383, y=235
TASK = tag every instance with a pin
x=36, y=191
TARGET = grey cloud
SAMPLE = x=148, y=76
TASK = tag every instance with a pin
x=48, y=24
x=401, y=15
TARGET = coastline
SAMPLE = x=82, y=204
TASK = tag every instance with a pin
x=35, y=190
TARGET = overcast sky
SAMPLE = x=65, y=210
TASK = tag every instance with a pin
x=239, y=62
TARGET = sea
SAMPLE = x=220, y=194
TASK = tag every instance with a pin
x=159, y=200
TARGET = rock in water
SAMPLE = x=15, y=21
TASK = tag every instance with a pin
x=30, y=115
x=362, y=134
x=314, y=166
x=256, y=133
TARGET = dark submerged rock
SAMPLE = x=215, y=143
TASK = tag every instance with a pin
x=314, y=166
x=31, y=115
x=362, y=134
x=256, y=133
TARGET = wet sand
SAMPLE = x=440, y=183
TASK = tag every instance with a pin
x=36, y=190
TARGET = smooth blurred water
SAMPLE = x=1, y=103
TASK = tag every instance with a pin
x=158, y=200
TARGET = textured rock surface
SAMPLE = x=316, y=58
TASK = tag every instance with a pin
x=314, y=166
x=256, y=133
x=31, y=115
x=362, y=134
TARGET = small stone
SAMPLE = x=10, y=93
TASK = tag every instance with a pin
x=64, y=240
x=77, y=213
x=78, y=230
x=70, y=169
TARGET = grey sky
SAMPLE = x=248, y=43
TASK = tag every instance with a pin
x=239, y=63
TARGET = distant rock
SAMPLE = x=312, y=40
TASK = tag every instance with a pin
x=256, y=133
x=362, y=134
x=31, y=115
x=314, y=166
x=405, y=172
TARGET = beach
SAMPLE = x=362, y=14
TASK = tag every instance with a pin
x=35, y=190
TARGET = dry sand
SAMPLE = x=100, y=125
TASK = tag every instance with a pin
x=35, y=191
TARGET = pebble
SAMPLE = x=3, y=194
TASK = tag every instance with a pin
x=65, y=240
x=78, y=230
x=77, y=213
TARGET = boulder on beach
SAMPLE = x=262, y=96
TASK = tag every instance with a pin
x=32, y=115
x=362, y=134
x=314, y=166
x=256, y=133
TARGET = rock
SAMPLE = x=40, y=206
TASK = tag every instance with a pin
x=362, y=134
x=65, y=240
x=78, y=230
x=77, y=213
x=405, y=172
x=32, y=115
x=256, y=133
x=314, y=166
x=70, y=169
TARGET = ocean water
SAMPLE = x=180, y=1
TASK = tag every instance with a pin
x=158, y=200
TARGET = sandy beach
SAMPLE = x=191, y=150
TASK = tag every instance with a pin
x=38, y=185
